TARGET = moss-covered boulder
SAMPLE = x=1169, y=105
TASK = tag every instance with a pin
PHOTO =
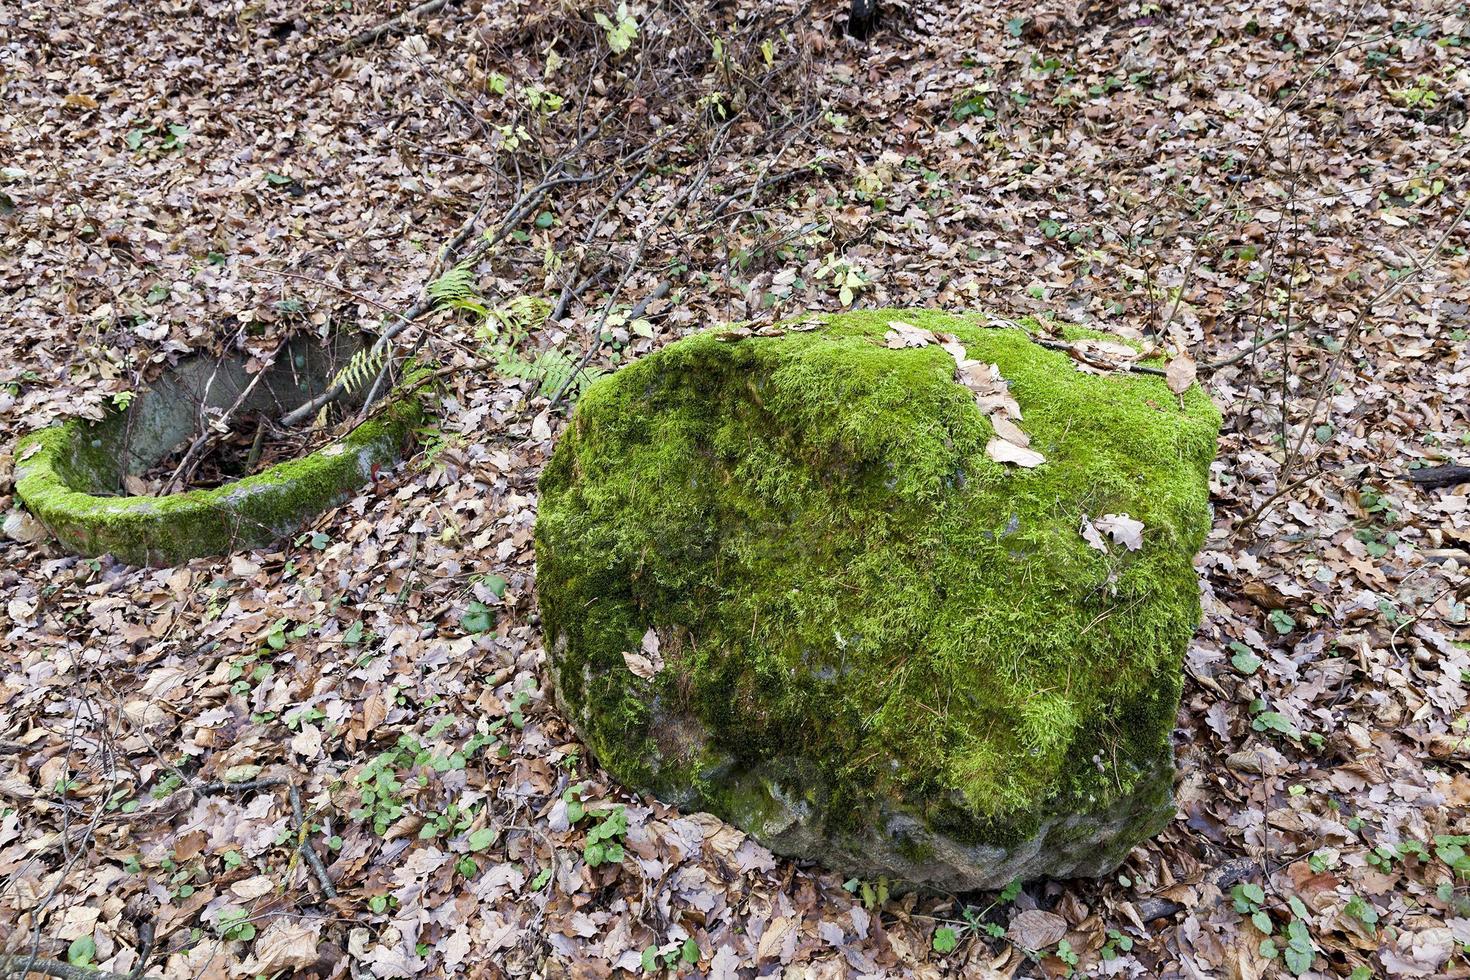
x=71, y=475
x=782, y=581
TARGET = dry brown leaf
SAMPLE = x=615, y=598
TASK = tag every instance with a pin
x=1008, y=452
x=649, y=661
x=285, y=944
x=1123, y=529
x=1008, y=430
x=1181, y=373
x=901, y=335
x=1035, y=929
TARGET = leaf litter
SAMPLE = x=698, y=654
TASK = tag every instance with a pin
x=1196, y=179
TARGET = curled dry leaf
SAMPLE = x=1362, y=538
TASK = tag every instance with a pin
x=1008, y=452
x=1102, y=356
x=285, y=944
x=1011, y=443
x=1093, y=536
x=649, y=662
x=902, y=335
x=22, y=527
x=1008, y=430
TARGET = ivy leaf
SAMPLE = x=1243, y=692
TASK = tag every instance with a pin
x=1244, y=659
x=82, y=951
x=477, y=618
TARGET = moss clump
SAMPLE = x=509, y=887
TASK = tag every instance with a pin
x=864, y=620
x=64, y=473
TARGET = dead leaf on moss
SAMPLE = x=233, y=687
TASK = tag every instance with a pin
x=649, y=662
x=1002, y=451
x=901, y=335
x=1181, y=373
x=1123, y=529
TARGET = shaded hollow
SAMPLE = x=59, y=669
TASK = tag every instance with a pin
x=75, y=476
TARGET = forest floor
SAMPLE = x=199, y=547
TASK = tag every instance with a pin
x=197, y=174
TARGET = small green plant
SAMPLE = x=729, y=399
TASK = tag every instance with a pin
x=1248, y=899
x=477, y=618
x=449, y=821
x=1422, y=95
x=1363, y=910
x=234, y=924
x=1117, y=942
x=604, y=840
x=973, y=101
x=621, y=29
x=1067, y=955
x=972, y=918
x=82, y=951
x=544, y=101
x=456, y=289
x=1244, y=659
x=159, y=139
x=379, y=786
x=1296, y=949
x=681, y=955
x=1274, y=721
x=872, y=894
x=362, y=367
x=847, y=278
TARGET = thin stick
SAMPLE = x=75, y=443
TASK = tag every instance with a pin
x=568, y=292
x=643, y=240
x=1352, y=335
x=303, y=844
x=19, y=966
x=425, y=302
x=187, y=465
x=254, y=455
x=387, y=27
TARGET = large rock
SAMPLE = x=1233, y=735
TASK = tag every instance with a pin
x=782, y=581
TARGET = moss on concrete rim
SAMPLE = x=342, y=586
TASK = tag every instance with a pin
x=861, y=613
x=60, y=469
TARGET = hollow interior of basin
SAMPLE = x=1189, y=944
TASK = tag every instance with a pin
x=144, y=449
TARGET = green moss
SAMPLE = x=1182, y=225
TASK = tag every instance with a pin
x=65, y=472
x=855, y=603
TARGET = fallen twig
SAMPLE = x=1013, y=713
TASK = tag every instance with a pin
x=425, y=302
x=303, y=844
x=1439, y=476
x=390, y=26
x=20, y=966
x=570, y=290
x=216, y=429
x=678, y=204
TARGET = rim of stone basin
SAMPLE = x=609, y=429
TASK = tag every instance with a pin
x=70, y=475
